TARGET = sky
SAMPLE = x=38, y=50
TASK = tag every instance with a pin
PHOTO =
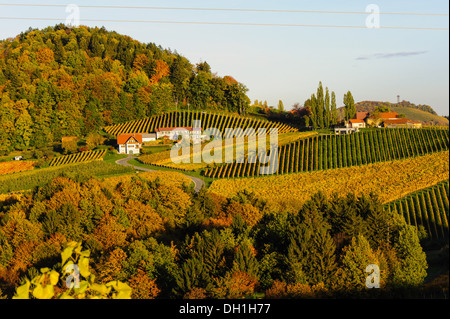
x=284, y=56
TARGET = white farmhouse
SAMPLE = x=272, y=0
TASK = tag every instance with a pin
x=129, y=143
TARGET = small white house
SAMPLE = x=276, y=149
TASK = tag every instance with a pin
x=18, y=158
x=357, y=123
x=173, y=133
x=129, y=143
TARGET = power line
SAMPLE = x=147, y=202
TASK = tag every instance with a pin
x=229, y=23
x=223, y=9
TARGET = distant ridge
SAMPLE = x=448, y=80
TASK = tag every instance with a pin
x=422, y=113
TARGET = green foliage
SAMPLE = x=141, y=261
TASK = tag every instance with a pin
x=65, y=81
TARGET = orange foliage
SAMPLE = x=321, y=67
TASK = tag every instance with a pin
x=230, y=80
x=195, y=293
x=110, y=233
x=44, y=55
x=240, y=284
x=161, y=70
x=16, y=166
x=249, y=214
x=139, y=61
x=142, y=286
x=144, y=220
x=113, y=265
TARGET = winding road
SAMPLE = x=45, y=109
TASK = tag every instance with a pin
x=197, y=181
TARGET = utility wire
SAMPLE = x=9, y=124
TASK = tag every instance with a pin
x=229, y=23
x=222, y=9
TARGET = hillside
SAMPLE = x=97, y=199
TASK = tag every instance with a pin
x=62, y=81
x=420, y=113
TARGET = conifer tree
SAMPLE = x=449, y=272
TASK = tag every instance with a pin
x=327, y=117
x=333, y=109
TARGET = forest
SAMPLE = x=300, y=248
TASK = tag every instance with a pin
x=62, y=81
x=154, y=234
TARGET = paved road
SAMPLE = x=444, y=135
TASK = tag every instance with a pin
x=197, y=181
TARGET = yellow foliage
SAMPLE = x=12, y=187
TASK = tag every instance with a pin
x=390, y=180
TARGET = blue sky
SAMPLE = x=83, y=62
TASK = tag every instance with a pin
x=287, y=63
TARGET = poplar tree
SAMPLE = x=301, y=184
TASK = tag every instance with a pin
x=314, y=115
x=333, y=109
x=350, y=109
x=320, y=106
x=327, y=117
x=280, y=106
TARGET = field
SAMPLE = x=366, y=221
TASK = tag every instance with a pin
x=15, y=166
x=78, y=158
x=427, y=208
x=186, y=119
x=390, y=180
x=323, y=152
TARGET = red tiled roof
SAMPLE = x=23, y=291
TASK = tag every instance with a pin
x=123, y=138
x=361, y=115
x=356, y=121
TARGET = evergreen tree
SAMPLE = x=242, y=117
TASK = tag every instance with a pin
x=413, y=264
x=327, y=117
x=350, y=108
x=333, y=109
x=320, y=106
x=314, y=111
x=280, y=106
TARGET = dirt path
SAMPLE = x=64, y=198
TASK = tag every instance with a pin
x=197, y=181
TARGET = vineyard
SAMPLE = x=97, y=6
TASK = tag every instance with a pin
x=16, y=166
x=427, y=208
x=38, y=177
x=186, y=119
x=323, y=152
x=163, y=159
x=78, y=158
x=389, y=180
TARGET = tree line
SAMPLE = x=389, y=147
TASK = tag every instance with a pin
x=62, y=81
x=166, y=241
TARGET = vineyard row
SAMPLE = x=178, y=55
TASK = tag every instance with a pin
x=186, y=119
x=336, y=151
x=428, y=208
x=78, y=157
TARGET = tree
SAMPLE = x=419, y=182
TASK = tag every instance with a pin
x=94, y=139
x=327, y=117
x=320, y=106
x=333, y=109
x=413, y=264
x=314, y=111
x=350, y=109
x=23, y=128
x=356, y=257
x=280, y=106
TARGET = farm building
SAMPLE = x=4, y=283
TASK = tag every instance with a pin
x=356, y=123
x=148, y=137
x=129, y=143
x=173, y=133
x=392, y=123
